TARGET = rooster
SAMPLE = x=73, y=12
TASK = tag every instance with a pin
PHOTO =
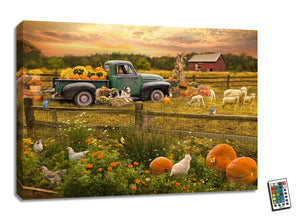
x=76, y=156
x=38, y=147
x=182, y=167
x=53, y=177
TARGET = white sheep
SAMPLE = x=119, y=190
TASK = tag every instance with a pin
x=212, y=95
x=242, y=93
x=230, y=101
x=249, y=99
x=197, y=100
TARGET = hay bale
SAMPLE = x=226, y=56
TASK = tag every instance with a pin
x=118, y=102
x=102, y=92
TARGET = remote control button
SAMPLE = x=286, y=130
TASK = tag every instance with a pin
x=276, y=187
x=278, y=201
x=274, y=202
x=279, y=183
x=287, y=203
x=277, y=190
x=274, y=198
x=282, y=197
x=272, y=188
x=275, y=205
x=284, y=190
x=286, y=200
x=283, y=182
x=280, y=187
x=280, y=190
x=281, y=194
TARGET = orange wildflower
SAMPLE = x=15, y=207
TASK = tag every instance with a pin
x=172, y=182
x=134, y=187
x=216, y=175
x=25, y=146
x=89, y=165
x=29, y=148
x=99, y=152
x=137, y=181
x=100, y=170
x=94, y=153
x=135, y=163
x=184, y=188
x=146, y=171
x=100, y=156
x=84, y=171
x=189, y=181
x=113, y=164
x=26, y=152
x=130, y=166
x=109, y=168
x=194, y=179
x=81, y=159
x=143, y=182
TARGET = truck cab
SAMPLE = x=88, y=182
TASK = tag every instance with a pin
x=143, y=86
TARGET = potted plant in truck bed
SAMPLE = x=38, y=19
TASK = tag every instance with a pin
x=35, y=85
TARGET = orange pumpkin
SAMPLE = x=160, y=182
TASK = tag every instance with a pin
x=89, y=68
x=242, y=170
x=220, y=156
x=160, y=165
x=187, y=92
x=38, y=98
x=182, y=93
x=166, y=99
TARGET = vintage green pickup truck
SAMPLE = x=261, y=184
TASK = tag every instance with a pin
x=120, y=74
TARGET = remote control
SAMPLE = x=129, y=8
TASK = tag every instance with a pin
x=279, y=194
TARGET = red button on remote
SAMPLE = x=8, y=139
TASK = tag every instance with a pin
x=272, y=188
x=283, y=182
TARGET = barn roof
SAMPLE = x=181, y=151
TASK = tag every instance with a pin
x=205, y=57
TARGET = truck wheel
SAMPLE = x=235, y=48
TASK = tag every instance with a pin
x=156, y=95
x=83, y=98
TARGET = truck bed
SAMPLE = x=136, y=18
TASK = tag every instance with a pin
x=60, y=83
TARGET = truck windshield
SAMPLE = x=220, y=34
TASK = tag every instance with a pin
x=125, y=69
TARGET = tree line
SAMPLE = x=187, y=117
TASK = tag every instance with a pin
x=31, y=57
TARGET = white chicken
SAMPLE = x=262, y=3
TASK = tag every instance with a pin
x=182, y=167
x=53, y=177
x=38, y=147
x=76, y=156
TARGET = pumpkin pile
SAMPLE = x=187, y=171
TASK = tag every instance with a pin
x=84, y=73
x=241, y=170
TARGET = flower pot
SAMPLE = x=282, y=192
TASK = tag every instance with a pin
x=35, y=89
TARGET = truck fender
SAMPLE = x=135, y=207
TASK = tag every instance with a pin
x=70, y=90
x=148, y=87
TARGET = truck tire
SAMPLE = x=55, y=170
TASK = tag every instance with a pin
x=83, y=98
x=156, y=95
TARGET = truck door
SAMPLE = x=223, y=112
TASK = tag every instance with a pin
x=127, y=77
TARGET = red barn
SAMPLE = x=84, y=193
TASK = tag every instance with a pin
x=207, y=62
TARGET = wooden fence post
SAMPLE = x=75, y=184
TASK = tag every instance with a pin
x=228, y=81
x=194, y=78
x=139, y=118
x=29, y=115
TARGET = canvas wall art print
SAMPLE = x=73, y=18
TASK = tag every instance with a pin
x=111, y=110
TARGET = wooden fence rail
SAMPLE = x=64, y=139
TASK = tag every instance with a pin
x=221, y=81
x=139, y=115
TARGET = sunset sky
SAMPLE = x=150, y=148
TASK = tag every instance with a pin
x=61, y=38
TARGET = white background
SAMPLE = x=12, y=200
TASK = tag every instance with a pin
x=277, y=23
